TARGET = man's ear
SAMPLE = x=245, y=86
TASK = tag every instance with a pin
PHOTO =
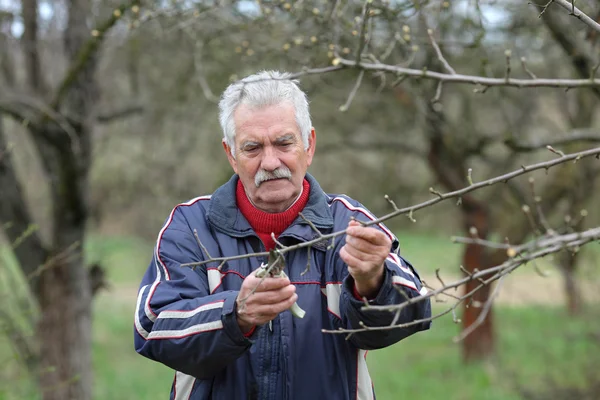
x=312, y=143
x=230, y=157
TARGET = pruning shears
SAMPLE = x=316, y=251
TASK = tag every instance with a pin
x=275, y=268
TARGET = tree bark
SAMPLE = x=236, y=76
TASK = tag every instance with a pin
x=30, y=44
x=568, y=264
x=448, y=164
x=16, y=219
x=65, y=324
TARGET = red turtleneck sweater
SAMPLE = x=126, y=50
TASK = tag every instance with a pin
x=263, y=222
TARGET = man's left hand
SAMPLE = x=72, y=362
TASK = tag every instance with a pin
x=365, y=252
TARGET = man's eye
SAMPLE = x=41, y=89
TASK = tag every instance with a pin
x=250, y=148
x=285, y=144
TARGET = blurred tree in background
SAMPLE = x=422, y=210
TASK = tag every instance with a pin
x=110, y=119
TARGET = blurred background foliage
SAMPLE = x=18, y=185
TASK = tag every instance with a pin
x=164, y=66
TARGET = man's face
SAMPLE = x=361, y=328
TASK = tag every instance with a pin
x=269, y=155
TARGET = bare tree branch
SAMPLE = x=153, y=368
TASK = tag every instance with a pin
x=470, y=79
x=439, y=54
x=440, y=197
x=522, y=255
x=30, y=42
x=15, y=218
x=579, y=52
x=577, y=13
x=125, y=112
x=6, y=62
x=88, y=51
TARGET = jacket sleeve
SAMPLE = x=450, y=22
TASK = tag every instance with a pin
x=401, y=282
x=177, y=321
x=399, y=285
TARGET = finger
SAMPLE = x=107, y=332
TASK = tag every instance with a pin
x=354, y=222
x=270, y=311
x=370, y=258
x=350, y=260
x=369, y=234
x=273, y=296
x=364, y=245
x=266, y=284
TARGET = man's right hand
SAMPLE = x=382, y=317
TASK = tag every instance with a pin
x=271, y=297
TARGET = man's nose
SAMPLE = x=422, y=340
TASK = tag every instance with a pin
x=270, y=160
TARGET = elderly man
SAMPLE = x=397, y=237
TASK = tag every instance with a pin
x=230, y=335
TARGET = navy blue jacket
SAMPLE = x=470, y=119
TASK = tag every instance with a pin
x=185, y=318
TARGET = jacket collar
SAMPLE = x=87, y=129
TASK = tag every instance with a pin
x=224, y=215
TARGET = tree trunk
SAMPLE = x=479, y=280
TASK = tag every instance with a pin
x=65, y=294
x=448, y=163
x=481, y=343
x=65, y=331
x=571, y=288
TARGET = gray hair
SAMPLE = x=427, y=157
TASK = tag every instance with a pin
x=263, y=89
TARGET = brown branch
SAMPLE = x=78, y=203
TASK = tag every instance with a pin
x=470, y=79
x=6, y=62
x=16, y=220
x=483, y=314
x=30, y=43
x=363, y=31
x=88, y=51
x=125, y=112
x=30, y=111
x=440, y=197
x=17, y=110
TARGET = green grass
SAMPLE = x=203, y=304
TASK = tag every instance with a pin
x=122, y=374
x=428, y=252
x=125, y=258
x=535, y=344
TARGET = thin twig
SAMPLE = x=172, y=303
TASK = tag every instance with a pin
x=497, y=272
x=439, y=54
x=408, y=210
x=200, y=244
x=470, y=79
x=309, y=222
x=577, y=13
x=527, y=70
x=345, y=106
x=363, y=31
x=483, y=314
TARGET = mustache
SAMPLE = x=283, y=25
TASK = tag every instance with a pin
x=263, y=175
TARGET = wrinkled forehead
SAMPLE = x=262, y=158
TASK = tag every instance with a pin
x=268, y=121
